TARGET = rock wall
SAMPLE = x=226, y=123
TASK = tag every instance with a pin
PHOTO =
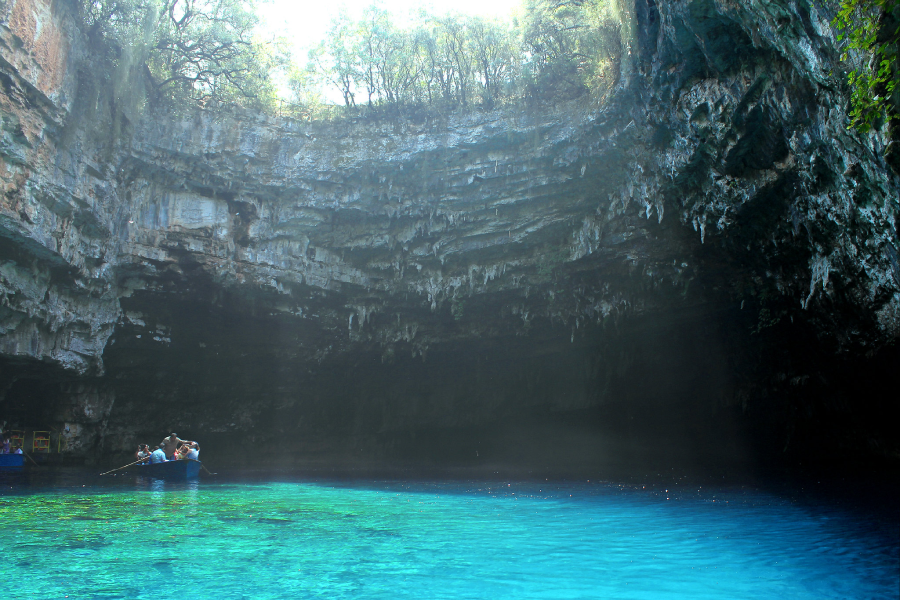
x=58, y=300
x=346, y=288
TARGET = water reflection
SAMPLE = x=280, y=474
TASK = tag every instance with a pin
x=169, y=494
x=158, y=486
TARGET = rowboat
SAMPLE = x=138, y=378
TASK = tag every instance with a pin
x=186, y=468
x=12, y=462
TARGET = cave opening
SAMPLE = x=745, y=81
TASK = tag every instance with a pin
x=601, y=300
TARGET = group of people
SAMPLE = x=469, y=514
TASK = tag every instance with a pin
x=5, y=446
x=171, y=448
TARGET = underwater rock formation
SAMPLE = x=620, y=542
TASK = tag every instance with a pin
x=708, y=244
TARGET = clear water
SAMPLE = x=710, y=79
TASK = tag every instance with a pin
x=293, y=539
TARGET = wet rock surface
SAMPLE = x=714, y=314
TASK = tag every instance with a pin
x=704, y=265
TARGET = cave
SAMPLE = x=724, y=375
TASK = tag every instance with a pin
x=698, y=272
x=601, y=300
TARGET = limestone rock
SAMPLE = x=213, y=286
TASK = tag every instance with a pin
x=720, y=174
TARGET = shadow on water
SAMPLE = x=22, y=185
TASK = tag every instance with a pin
x=874, y=490
x=71, y=479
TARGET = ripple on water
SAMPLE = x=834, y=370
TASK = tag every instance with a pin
x=440, y=540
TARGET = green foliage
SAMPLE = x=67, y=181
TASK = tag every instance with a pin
x=571, y=46
x=183, y=50
x=448, y=60
x=553, y=51
x=308, y=102
x=872, y=28
x=187, y=52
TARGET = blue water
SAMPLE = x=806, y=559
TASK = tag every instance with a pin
x=300, y=539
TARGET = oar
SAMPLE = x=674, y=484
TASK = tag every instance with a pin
x=202, y=466
x=128, y=465
x=31, y=459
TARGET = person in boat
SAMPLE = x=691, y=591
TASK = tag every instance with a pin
x=18, y=450
x=193, y=451
x=143, y=452
x=158, y=455
x=4, y=448
x=187, y=451
x=182, y=451
x=170, y=445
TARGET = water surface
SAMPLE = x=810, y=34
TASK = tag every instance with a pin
x=281, y=538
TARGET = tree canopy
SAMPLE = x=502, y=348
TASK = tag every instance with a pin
x=554, y=50
x=178, y=50
x=203, y=52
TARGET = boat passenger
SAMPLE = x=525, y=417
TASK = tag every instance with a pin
x=157, y=456
x=182, y=451
x=4, y=449
x=18, y=450
x=170, y=444
x=194, y=451
x=143, y=452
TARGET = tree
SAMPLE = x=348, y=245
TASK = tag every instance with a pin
x=335, y=59
x=400, y=68
x=186, y=49
x=372, y=49
x=306, y=99
x=456, y=51
x=494, y=56
x=562, y=49
x=571, y=45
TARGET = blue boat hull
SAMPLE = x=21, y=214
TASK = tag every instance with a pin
x=171, y=469
x=12, y=462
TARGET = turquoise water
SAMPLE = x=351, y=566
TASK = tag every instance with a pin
x=293, y=539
